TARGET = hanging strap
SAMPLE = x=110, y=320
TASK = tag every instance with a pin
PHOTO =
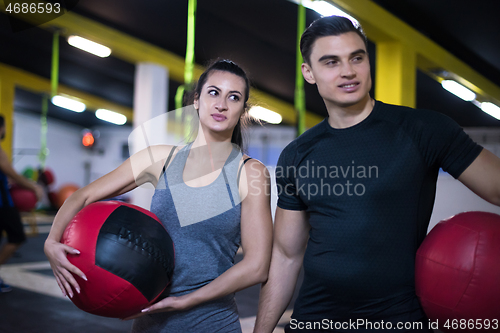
x=300, y=95
x=188, y=67
x=54, y=81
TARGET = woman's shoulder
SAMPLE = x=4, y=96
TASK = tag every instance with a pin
x=152, y=159
x=253, y=177
x=160, y=152
x=165, y=148
x=252, y=166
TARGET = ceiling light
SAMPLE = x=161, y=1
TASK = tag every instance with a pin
x=89, y=46
x=68, y=103
x=111, y=116
x=458, y=90
x=491, y=109
x=325, y=8
x=265, y=115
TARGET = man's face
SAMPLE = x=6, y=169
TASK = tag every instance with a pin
x=340, y=68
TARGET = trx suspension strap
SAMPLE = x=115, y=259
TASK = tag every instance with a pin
x=300, y=97
x=54, y=79
x=188, y=67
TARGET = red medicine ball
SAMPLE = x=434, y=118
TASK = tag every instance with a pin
x=24, y=199
x=46, y=177
x=126, y=254
x=458, y=271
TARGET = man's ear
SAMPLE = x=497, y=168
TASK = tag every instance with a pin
x=307, y=73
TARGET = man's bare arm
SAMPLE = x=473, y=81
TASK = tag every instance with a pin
x=291, y=232
x=483, y=177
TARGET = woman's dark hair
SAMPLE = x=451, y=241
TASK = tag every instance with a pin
x=327, y=26
x=225, y=65
x=2, y=121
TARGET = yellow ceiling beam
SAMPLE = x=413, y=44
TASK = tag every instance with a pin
x=134, y=50
x=123, y=46
x=39, y=84
x=381, y=26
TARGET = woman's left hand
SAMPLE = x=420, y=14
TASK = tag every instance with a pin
x=167, y=304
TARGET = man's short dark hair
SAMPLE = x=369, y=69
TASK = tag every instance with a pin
x=327, y=26
x=2, y=121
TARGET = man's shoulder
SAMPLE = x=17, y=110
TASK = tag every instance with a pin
x=401, y=115
x=395, y=112
x=308, y=137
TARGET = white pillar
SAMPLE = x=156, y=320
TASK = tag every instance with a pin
x=150, y=101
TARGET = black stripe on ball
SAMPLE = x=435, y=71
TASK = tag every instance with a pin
x=137, y=248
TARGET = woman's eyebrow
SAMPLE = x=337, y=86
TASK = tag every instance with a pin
x=231, y=92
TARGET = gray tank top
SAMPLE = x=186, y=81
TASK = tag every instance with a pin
x=204, y=224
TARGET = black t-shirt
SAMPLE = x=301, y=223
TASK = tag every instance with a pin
x=369, y=192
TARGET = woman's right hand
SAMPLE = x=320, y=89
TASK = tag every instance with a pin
x=56, y=253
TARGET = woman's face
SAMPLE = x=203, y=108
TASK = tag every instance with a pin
x=221, y=102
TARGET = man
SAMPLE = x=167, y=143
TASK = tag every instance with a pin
x=356, y=193
x=10, y=221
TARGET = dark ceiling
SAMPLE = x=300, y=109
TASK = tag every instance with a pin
x=260, y=36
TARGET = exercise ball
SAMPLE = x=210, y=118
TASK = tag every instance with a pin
x=126, y=255
x=29, y=173
x=458, y=271
x=53, y=199
x=64, y=193
x=24, y=199
x=46, y=177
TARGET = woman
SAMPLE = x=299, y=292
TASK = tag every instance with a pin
x=209, y=200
